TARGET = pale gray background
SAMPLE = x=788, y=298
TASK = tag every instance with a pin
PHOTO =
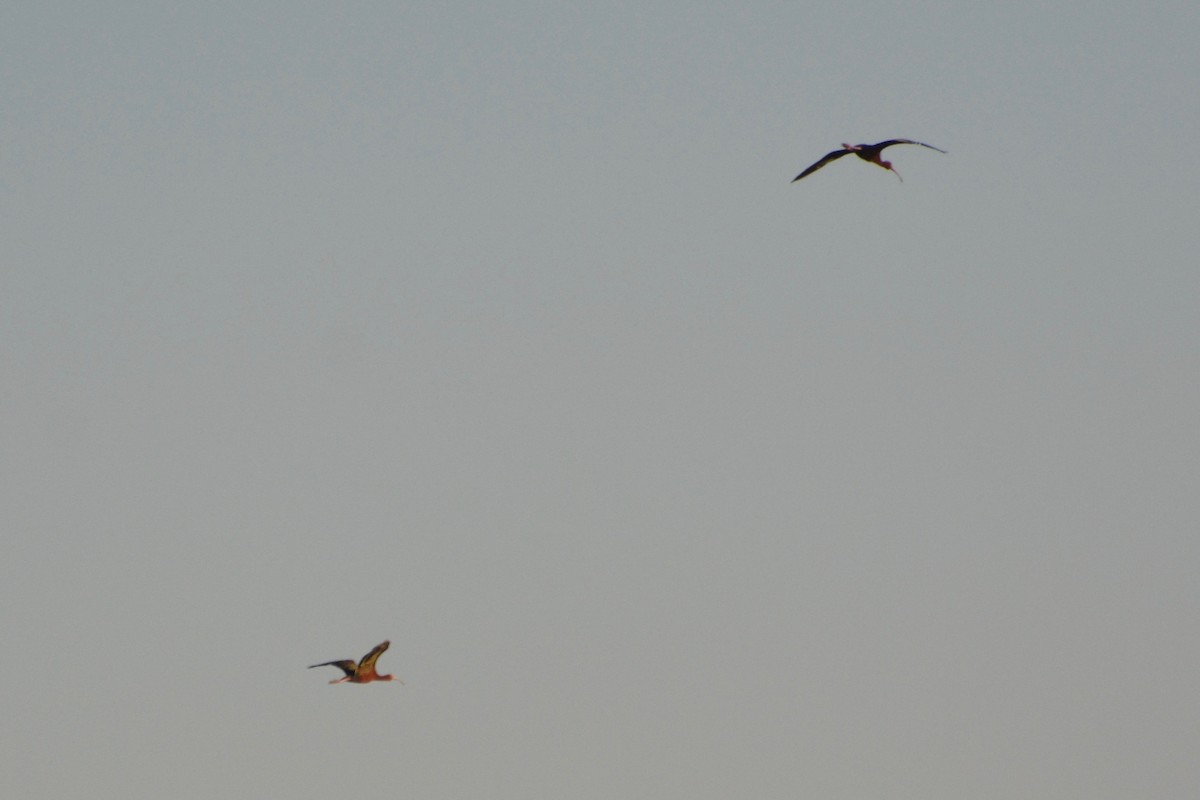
x=499, y=331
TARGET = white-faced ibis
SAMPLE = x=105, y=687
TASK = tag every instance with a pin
x=867, y=152
x=363, y=671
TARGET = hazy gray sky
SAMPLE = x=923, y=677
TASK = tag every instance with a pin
x=499, y=331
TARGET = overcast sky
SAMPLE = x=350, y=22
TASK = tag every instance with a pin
x=499, y=331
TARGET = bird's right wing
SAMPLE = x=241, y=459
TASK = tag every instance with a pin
x=368, y=661
x=891, y=142
x=347, y=666
x=835, y=155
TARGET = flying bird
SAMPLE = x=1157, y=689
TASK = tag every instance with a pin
x=363, y=671
x=867, y=152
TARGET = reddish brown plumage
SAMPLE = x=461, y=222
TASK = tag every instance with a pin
x=364, y=670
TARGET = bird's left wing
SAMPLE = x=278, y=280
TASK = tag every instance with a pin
x=346, y=665
x=836, y=154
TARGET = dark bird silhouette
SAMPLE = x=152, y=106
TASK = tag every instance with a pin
x=363, y=671
x=867, y=152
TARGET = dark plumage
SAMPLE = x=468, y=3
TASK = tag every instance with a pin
x=867, y=152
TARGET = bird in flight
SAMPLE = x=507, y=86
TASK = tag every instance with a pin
x=867, y=152
x=363, y=671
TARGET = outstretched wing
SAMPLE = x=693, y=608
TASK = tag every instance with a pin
x=891, y=142
x=347, y=666
x=368, y=661
x=834, y=156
